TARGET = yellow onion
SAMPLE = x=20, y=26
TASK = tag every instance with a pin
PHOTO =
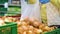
x=25, y=28
x=46, y=28
x=36, y=24
x=1, y=22
x=39, y=31
x=41, y=26
x=24, y=32
x=30, y=32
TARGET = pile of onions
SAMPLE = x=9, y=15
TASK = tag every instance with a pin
x=32, y=26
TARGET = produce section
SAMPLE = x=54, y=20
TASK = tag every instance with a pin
x=12, y=21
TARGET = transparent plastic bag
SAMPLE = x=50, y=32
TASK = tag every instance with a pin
x=30, y=10
x=53, y=17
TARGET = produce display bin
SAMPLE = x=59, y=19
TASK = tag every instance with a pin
x=57, y=31
x=3, y=1
x=9, y=28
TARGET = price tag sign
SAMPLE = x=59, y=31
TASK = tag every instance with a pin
x=6, y=5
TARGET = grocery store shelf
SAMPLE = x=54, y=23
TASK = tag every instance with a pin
x=14, y=5
x=10, y=5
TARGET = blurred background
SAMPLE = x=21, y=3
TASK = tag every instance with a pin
x=14, y=7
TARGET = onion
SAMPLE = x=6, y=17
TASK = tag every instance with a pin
x=41, y=26
x=18, y=23
x=24, y=23
x=26, y=19
x=25, y=28
x=46, y=28
x=30, y=32
x=6, y=20
x=1, y=22
x=36, y=24
x=14, y=19
x=24, y=32
x=32, y=20
x=39, y=31
x=31, y=27
x=20, y=30
x=52, y=28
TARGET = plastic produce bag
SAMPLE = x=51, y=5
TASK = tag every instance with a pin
x=53, y=17
x=30, y=10
x=56, y=3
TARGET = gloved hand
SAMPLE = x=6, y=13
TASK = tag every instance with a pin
x=44, y=1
